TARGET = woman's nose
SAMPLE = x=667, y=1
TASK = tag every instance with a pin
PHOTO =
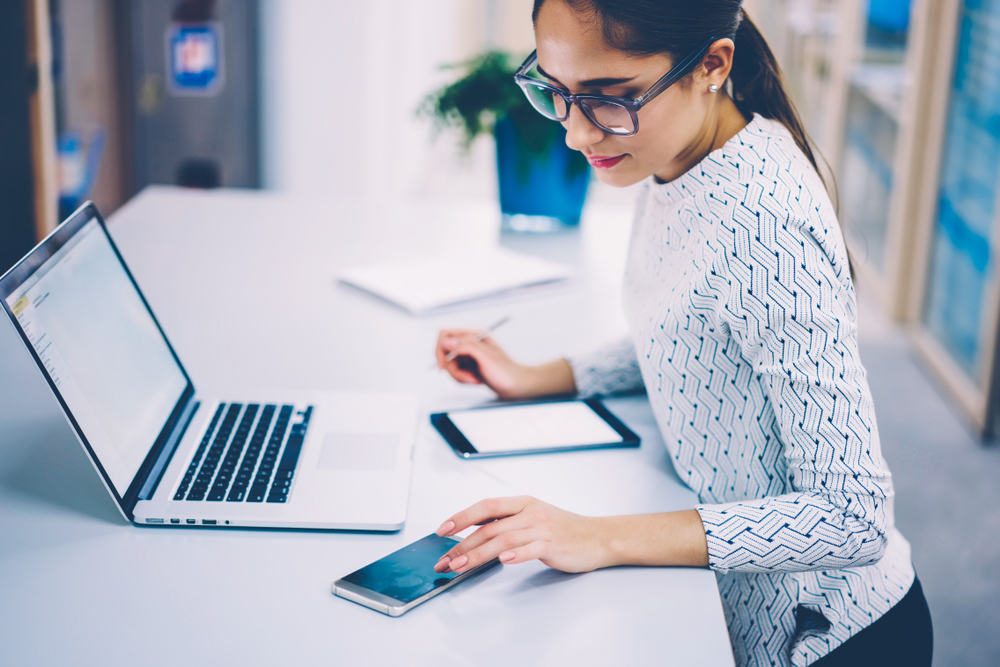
x=580, y=132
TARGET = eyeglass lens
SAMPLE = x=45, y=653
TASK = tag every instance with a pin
x=609, y=116
x=546, y=102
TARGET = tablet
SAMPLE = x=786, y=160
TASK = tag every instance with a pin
x=532, y=428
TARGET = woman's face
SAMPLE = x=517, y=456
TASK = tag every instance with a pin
x=672, y=127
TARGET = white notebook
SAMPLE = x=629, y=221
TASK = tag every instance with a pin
x=429, y=283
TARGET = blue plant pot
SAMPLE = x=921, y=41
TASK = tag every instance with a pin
x=544, y=197
x=890, y=15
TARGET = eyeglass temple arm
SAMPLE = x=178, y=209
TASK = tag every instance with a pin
x=677, y=72
x=527, y=64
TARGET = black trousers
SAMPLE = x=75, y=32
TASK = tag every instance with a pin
x=902, y=636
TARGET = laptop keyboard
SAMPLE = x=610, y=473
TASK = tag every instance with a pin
x=232, y=463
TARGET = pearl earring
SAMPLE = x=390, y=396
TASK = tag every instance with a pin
x=713, y=88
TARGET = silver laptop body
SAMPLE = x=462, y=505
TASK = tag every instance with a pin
x=170, y=457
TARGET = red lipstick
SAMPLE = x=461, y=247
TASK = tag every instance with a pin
x=602, y=162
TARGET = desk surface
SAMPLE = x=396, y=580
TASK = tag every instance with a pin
x=241, y=276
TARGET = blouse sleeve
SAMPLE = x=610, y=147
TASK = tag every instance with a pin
x=789, y=305
x=611, y=369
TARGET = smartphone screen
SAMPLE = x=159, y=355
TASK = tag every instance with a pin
x=407, y=574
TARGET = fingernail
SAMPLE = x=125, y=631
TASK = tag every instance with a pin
x=446, y=528
x=507, y=556
x=442, y=564
x=449, y=343
x=459, y=563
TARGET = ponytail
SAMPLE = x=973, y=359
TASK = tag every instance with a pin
x=756, y=81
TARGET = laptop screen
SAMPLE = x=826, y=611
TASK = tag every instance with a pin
x=101, y=349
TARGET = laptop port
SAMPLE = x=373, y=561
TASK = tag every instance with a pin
x=154, y=520
x=208, y=522
x=175, y=521
x=191, y=521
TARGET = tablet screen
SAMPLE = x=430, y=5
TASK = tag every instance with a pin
x=517, y=428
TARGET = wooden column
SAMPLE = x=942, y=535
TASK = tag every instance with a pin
x=41, y=108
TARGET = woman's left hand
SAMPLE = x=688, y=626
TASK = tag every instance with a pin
x=520, y=529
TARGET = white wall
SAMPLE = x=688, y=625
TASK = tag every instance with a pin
x=341, y=84
x=341, y=81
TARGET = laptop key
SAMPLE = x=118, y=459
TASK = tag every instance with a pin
x=291, y=456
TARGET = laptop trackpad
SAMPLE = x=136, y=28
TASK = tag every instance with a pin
x=359, y=451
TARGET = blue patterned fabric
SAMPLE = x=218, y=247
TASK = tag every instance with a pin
x=743, y=329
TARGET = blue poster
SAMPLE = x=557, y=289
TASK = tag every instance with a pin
x=963, y=259
x=194, y=58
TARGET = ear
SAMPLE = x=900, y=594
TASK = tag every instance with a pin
x=718, y=62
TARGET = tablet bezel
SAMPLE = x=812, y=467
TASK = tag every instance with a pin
x=465, y=449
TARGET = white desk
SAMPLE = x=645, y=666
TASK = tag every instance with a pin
x=244, y=285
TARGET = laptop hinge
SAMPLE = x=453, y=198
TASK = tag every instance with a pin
x=156, y=472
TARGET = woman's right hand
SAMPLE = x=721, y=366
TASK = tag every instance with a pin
x=480, y=362
x=485, y=362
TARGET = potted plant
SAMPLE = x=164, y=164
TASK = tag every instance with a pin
x=543, y=183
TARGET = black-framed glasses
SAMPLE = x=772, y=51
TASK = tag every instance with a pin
x=613, y=115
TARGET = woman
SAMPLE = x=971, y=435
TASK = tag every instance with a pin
x=741, y=308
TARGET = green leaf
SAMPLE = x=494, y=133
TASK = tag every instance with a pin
x=486, y=91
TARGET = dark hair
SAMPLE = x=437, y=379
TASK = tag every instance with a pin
x=678, y=27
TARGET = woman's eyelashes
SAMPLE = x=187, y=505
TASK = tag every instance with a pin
x=611, y=90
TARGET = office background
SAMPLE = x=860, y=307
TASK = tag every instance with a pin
x=319, y=98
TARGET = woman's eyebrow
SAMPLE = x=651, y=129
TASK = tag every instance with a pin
x=589, y=83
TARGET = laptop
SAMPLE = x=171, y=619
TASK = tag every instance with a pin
x=171, y=457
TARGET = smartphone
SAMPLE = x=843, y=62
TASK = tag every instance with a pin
x=399, y=582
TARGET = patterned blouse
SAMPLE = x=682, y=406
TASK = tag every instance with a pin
x=744, y=333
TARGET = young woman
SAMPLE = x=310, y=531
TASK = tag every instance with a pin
x=741, y=309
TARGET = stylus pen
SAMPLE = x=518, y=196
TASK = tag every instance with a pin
x=482, y=335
